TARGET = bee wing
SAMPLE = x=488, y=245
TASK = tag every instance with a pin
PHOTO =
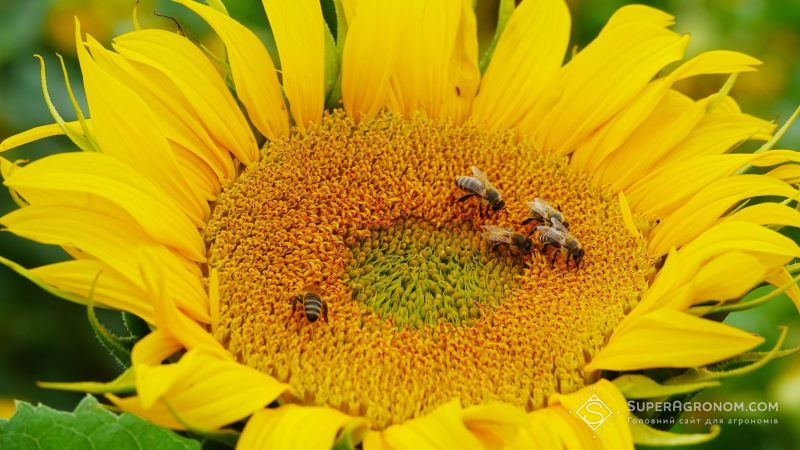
x=472, y=184
x=498, y=234
x=553, y=234
x=558, y=225
x=540, y=206
x=478, y=173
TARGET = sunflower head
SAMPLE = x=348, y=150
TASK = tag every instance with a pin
x=317, y=273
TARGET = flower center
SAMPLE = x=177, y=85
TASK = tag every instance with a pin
x=420, y=311
x=418, y=274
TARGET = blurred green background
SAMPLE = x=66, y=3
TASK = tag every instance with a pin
x=43, y=338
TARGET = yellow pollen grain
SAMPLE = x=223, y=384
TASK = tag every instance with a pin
x=328, y=206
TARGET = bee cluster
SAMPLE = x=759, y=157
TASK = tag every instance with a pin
x=551, y=231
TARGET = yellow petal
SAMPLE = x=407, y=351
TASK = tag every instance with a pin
x=253, y=72
x=298, y=28
x=781, y=278
x=599, y=82
x=546, y=431
x=369, y=51
x=661, y=192
x=7, y=408
x=421, y=70
x=110, y=289
x=728, y=276
x=293, y=427
x=671, y=121
x=201, y=169
x=373, y=440
x=37, y=133
x=638, y=13
x=673, y=288
x=150, y=352
x=527, y=57
x=667, y=338
x=203, y=390
x=213, y=294
x=154, y=348
x=350, y=7
x=612, y=135
x=495, y=424
x=789, y=173
x=141, y=144
x=95, y=175
x=559, y=426
x=464, y=72
x=115, y=243
x=442, y=428
x=193, y=148
x=627, y=216
x=601, y=404
x=718, y=132
x=709, y=204
x=168, y=317
x=198, y=95
x=770, y=247
x=767, y=214
x=716, y=62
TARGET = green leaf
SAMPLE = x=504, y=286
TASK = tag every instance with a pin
x=89, y=426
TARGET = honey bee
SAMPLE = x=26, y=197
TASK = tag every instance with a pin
x=312, y=304
x=497, y=236
x=558, y=237
x=543, y=214
x=478, y=185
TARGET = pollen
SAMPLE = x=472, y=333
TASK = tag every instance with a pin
x=420, y=310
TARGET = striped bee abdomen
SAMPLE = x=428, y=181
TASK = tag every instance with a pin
x=470, y=184
x=312, y=305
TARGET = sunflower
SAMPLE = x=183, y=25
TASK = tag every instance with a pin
x=212, y=196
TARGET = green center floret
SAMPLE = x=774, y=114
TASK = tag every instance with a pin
x=418, y=274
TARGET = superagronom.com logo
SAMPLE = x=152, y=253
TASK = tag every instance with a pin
x=593, y=411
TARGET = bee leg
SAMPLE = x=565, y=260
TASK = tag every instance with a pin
x=325, y=311
x=295, y=299
x=480, y=211
x=466, y=197
x=577, y=264
x=553, y=257
x=527, y=221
